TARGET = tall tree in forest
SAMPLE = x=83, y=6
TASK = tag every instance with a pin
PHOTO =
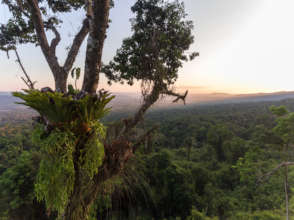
x=285, y=130
x=79, y=152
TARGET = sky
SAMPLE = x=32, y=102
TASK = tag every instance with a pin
x=245, y=46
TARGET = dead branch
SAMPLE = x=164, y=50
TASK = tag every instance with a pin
x=28, y=80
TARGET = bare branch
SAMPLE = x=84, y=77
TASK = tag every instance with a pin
x=77, y=42
x=179, y=96
x=266, y=176
x=25, y=81
x=28, y=80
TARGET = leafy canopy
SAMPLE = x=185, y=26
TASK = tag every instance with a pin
x=20, y=28
x=156, y=50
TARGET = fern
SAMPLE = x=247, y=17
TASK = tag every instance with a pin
x=73, y=122
x=64, y=109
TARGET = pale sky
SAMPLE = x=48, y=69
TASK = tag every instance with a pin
x=245, y=46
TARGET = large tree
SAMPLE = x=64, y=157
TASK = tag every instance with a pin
x=80, y=153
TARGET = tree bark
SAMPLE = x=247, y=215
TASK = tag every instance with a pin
x=60, y=73
x=60, y=76
x=60, y=79
x=98, y=25
x=116, y=155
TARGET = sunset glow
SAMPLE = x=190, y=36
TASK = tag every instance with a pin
x=245, y=46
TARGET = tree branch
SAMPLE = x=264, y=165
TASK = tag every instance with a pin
x=55, y=41
x=77, y=42
x=266, y=176
x=149, y=100
x=28, y=80
x=60, y=76
x=89, y=7
x=39, y=27
x=179, y=96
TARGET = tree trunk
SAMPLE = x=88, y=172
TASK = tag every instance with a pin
x=97, y=35
x=60, y=78
x=116, y=155
x=286, y=193
x=75, y=211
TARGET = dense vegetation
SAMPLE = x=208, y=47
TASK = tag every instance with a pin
x=203, y=162
x=210, y=162
x=79, y=154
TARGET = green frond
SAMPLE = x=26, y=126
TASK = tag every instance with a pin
x=62, y=109
x=74, y=126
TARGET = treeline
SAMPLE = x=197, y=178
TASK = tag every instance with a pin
x=201, y=162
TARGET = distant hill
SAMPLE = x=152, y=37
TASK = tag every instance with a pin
x=229, y=98
x=130, y=101
x=7, y=102
x=224, y=98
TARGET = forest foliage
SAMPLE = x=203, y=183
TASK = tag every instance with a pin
x=204, y=162
x=80, y=153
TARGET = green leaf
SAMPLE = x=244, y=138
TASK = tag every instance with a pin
x=71, y=89
x=78, y=73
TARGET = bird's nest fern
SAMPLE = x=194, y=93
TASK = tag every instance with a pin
x=68, y=123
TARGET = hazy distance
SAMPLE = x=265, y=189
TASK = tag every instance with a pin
x=245, y=47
